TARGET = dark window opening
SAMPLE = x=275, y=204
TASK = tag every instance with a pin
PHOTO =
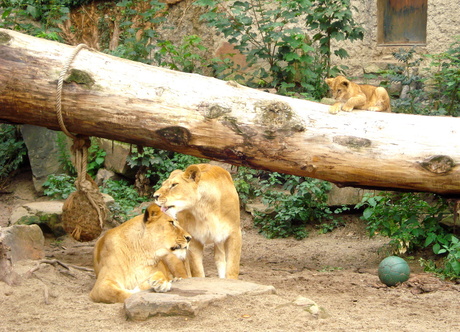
x=402, y=22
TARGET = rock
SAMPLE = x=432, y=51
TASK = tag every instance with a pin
x=258, y=207
x=43, y=151
x=24, y=241
x=311, y=307
x=46, y=214
x=188, y=297
x=374, y=68
x=117, y=154
x=103, y=175
x=347, y=195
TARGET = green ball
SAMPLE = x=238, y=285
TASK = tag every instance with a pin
x=393, y=270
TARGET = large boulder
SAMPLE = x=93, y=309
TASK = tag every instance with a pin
x=188, y=297
x=43, y=151
x=24, y=242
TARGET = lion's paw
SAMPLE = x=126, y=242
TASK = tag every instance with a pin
x=334, y=109
x=160, y=286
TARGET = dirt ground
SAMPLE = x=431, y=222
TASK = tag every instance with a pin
x=337, y=270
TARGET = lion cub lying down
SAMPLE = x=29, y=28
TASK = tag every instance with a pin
x=204, y=200
x=349, y=95
x=140, y=254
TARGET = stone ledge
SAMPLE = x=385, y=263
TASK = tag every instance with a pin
x=188, y=297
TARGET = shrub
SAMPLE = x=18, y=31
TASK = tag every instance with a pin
x=277, y=47
x=59, y=186
x=295, y=202
x=12, y=150
x=411, y=221
x=125, y=196
x=158, y=164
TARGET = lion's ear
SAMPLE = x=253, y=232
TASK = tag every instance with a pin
x=193, y=172
x=345, y=84
x=329, y=81
x=151, y=211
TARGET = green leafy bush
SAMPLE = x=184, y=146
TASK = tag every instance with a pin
x=12, y=150
x=445, y=80
x=408, y=219
x=38, y=18
x=184, y=57
x=125, y=196
x=158, y=164
x=96, y=158
x=277, y=48
x=246, y=182
x=433, y=90
x=411, y=220
x=294, y=201
x=137, y=32
x=59, y=186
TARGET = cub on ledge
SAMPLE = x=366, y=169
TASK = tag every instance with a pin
x=206, y=204
x=349, y=95
x=138, y=255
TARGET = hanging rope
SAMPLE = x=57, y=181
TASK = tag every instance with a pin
x=78, y=220
x=59, y=89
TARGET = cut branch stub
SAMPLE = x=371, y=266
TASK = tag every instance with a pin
x=438, y=164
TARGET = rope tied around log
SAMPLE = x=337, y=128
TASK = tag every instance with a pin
x=84, y=211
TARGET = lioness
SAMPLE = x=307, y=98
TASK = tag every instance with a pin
x=349, y=95
x=135, y=256
x=206, y=204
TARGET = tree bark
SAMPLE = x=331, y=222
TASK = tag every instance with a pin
x=136, y=103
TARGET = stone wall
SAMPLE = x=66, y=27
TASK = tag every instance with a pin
x=443, y=23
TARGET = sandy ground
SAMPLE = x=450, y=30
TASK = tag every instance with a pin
x=338, y=271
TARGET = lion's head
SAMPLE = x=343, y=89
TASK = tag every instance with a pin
x=167, y=233
x=339, y=87
x=180, y=191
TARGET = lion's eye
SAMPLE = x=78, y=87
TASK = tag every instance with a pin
x=172, y=223
x=173, y=185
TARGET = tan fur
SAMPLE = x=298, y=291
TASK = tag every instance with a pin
x=205, y=201
x=138, y=255
x=349, y=95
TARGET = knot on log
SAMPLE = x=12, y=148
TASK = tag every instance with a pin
x=240, y=129
x=213, y=111
x=274, y=113
x=438, y=164
x=352, y=141
x=175, y=135
x=228, y=153
x=278, y=116
x=80, y=77
x=4, y=38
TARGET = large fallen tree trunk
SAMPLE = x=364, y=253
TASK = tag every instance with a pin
x=123, y=100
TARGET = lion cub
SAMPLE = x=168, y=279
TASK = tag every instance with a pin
x=349, y=95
